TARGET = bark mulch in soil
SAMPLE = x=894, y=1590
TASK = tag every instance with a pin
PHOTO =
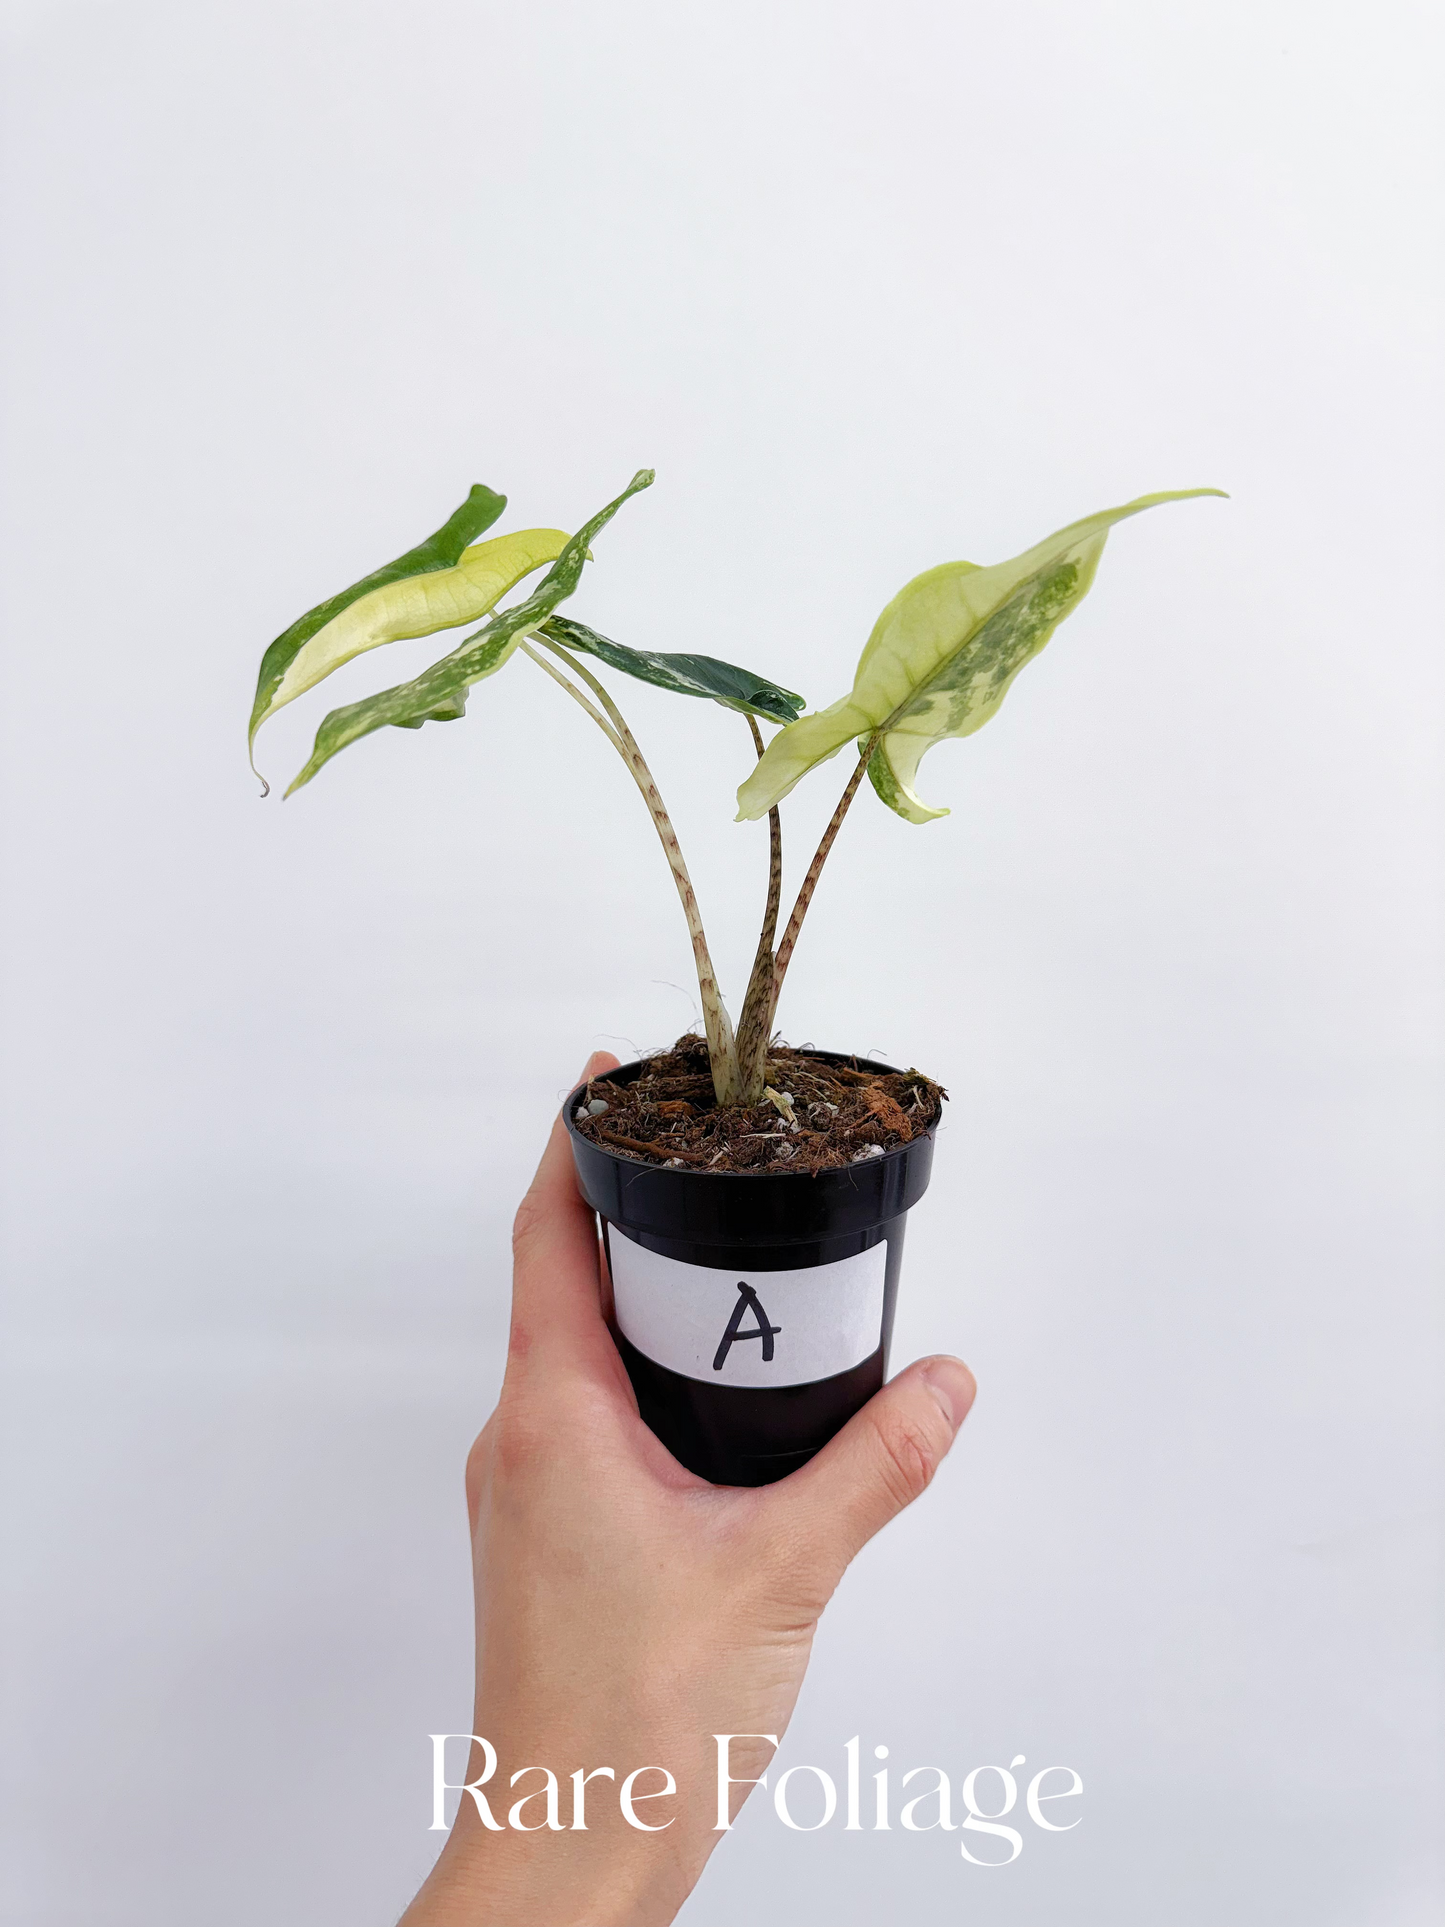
x=824, y=1115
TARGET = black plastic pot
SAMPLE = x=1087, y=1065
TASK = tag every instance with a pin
x=753, y=1310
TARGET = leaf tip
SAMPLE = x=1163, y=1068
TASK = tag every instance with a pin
x=251, y=759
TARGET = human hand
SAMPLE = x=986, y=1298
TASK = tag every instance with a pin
x=627, y=1611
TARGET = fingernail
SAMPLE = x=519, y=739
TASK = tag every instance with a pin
x=952, y=1384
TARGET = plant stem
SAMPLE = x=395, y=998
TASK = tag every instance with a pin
x=756, y=1021
x=815, y=870
x=722, y=1053
x=576, y=694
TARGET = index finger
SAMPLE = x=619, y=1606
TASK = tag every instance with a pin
x=556, y=1282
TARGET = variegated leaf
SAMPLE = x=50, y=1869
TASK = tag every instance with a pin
x=439, y=551
x=439, y=693
x=419, y=606
x=941, y=659
x=688, y=675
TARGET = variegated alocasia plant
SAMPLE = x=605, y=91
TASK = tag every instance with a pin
x=941, y=659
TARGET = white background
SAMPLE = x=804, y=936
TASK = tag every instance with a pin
x=872, y=288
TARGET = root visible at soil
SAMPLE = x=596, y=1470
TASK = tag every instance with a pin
x=823, y=1116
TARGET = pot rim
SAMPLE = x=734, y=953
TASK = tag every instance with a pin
x=631, y=1163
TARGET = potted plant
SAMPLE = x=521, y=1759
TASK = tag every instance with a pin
x=752, y=1198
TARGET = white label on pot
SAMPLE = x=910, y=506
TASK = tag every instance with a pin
x=741, y=1327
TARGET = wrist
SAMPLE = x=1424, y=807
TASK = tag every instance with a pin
x=546, y=1879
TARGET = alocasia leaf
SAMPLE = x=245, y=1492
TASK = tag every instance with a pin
x=419, y=605
x=940, y=661
x=439, y=693
x=688, y=675
x=439, y=551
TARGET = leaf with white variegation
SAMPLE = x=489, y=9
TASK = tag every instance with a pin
x=441, y=550
x=686, y=675
x=419, y=606
x=941, y=659
x=439, y=693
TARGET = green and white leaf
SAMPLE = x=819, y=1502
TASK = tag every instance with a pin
x=941, y=659
x=439, y=551
x=687, y=675
x=439, y=693
x=419, y=606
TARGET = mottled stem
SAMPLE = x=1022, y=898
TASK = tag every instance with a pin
x=755, y=1025
x=576, y=694
x=815, y=870
x=721, y=1049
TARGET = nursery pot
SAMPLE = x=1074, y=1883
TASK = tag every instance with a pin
x=753, y=1310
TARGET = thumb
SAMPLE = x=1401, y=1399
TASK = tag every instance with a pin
x=882, y=1460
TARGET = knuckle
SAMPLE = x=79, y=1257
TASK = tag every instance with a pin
x=479, y=1466
x=798, y=1578
x=528, y=1224
x=908, y=1455
x=516, y=1448
x=519, y=1343
x=549, y=1414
